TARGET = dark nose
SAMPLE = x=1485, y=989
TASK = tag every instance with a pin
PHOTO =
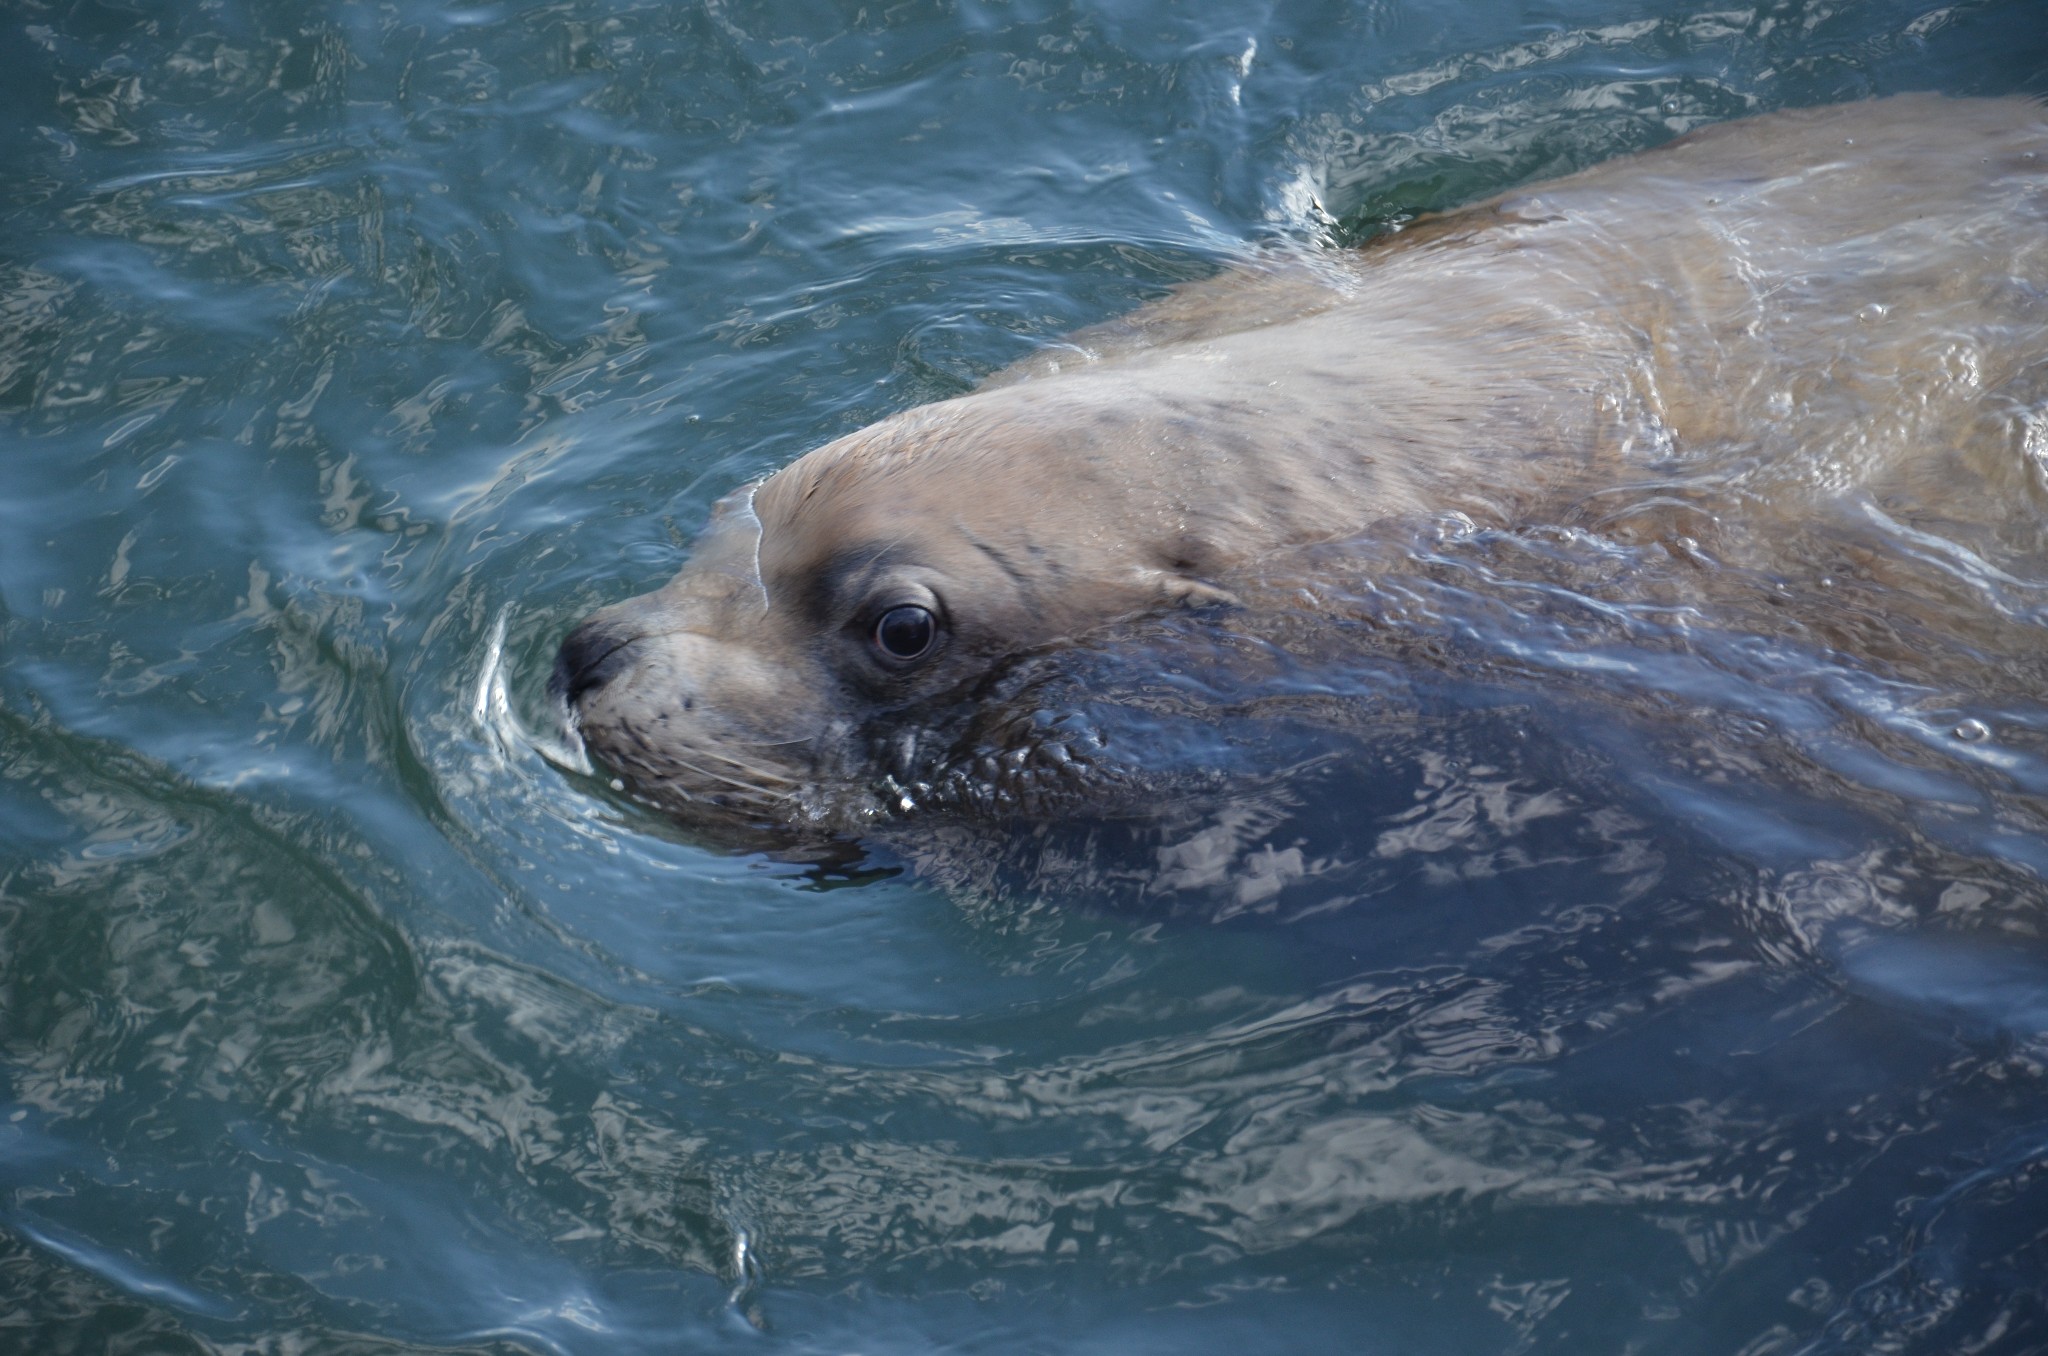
x=590, y=657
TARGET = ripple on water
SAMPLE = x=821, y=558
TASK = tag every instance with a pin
x=1531, y=959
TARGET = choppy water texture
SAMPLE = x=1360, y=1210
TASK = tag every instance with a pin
x=348, y=354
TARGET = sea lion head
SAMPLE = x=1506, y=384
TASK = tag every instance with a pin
x=833, y=613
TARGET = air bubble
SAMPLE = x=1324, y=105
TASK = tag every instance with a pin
x=1973, y=732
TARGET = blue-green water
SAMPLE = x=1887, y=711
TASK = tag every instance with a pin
x=350, y=353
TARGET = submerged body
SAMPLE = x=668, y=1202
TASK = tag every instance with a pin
x=1798, y=317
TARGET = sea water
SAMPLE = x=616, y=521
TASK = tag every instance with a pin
x=350, y=353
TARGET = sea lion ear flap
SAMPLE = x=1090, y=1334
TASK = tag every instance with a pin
x=1177, y=590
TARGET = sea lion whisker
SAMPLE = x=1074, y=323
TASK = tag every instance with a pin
x=742, y=771
x=764, y=774
x=762, y=793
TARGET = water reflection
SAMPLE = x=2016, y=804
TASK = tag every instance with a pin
x=1549, y=973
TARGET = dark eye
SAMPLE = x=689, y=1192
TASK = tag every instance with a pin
x=906, y=632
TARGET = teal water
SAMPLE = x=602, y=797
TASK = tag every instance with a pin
x=350, y=353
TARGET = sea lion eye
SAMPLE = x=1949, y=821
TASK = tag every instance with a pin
x=906, y=632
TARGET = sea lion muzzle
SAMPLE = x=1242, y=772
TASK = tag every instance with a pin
x=590, y=656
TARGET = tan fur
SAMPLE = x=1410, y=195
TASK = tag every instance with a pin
x=1795, y=308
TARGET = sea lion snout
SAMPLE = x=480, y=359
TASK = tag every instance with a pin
x=609, y=642
x=682, y=692
x=590, y=656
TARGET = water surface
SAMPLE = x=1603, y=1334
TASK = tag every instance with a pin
x=349, y=353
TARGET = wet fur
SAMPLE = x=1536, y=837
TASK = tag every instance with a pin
x=1790, y=320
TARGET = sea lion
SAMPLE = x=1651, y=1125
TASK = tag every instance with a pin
x=1796, y=310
